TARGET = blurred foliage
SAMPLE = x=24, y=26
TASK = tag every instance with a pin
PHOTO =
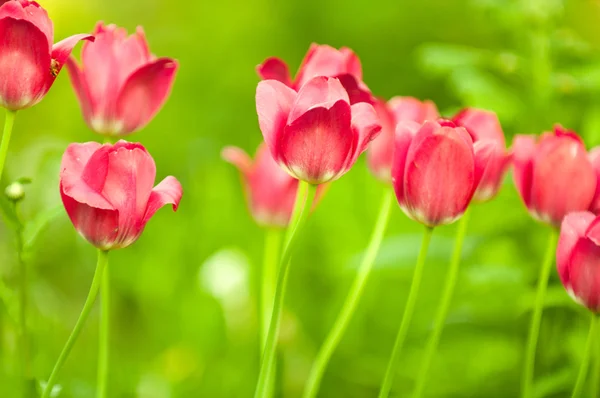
x=185, y=296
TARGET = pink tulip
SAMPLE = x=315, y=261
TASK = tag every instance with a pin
x=120, y=85
x=315, y=134
x=29, y=62
x=381, y=151
x=321, y=60
x=108, y=193
x=435, y=170
x=578, y=256
x=553, y=175
x=484, y=126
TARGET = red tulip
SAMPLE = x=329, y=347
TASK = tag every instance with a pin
x=29, y=62
x=435, y=170
x=484, y=126
x=271, y=191
x=315, y=134
x=396, y=110
x=108, y=193
x=120, y=85
x=321, y=60
x=578, y=256
x=553, y=175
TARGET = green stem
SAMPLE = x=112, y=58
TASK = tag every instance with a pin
x=442, y=312
x=23, y=335
x=296, y=213
x=104, y=326
x=580, y=383
x=596, y=370
x=85, y=312
x=269, y=280
x=9, y=121
x=341, y=323
x=268, y=361
x=534, y=328
x=406, y=317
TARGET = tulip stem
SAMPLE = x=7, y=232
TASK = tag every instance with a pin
x=587, y=352
x=596, y=370
x=269, y=280
x=534, y=327
x=341, y=323
x=406, y=317
x=306, y=194
x=23, y=335
x=9, y=121
x=85, y=312
x=442, y=312
x=104, y=331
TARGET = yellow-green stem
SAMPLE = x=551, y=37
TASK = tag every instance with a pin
x=104, y=331
x=9, y=121
x=587, y=352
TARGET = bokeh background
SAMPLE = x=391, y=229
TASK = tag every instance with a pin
x=184, y=321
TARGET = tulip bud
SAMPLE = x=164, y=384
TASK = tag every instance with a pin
x=15, y=192
x=29, y=63
x=554, y=175
x=315, y=134
x=578, y=256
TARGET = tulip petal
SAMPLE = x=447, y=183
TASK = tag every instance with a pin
x=274, y=69
x=82, y=90
x=481, y=124
x=320, y=92
x=594, y=157
x=524, y=148
x=381, y=150
x=324, y=60
x=32, y=12
x=144, y=93
x=63, y=49
x=273, y=104
x=404, y=134
x=24, y=64
x=409, y=108
x=484, y=152
x=132, y=53
x=573, y=228
x=584, y=273
x=316, y=146
x=366, y=125
x=439, y=175
x=237, y=157
x=168, y=191
x=72, y=172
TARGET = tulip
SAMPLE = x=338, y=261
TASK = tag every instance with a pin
x=381, y=151
x=29, y=62
x=436, y=170
x=554, y=175
x=108, y=193
x=321, y=60
x=484, y=126
x=577, y=256
x=314, y=134
x=120, y=85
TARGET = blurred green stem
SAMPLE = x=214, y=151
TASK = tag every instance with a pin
x=442, y=313
x=341, y=323
x=406, y=318
x=596, y=369
x=23, y=335
x=587, y=352
x=534, y=328
x=9, y=121
x=104, y=332
x=85, y=312
x=263, y=388
x=269, y=280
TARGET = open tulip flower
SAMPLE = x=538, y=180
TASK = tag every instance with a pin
x=314, y=134
x=321, y=60
x=29, y=62
x=436, y=170
x=484, y=126
x=271, y=192
x=108, y=193
x=397, y=109
x=554, y=175
x=120, y=84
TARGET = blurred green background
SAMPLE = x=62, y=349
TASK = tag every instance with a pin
x=184, y=321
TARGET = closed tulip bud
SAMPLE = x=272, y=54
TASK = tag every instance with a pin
x=484, y=126
x=435, y=170
x=120, y=85
x=396, y=110
x=554, y=175
x=578, y=256
x=321, y=60
x=29, y=62
x=270, y=191
x=108, y=192
x=314, y=134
